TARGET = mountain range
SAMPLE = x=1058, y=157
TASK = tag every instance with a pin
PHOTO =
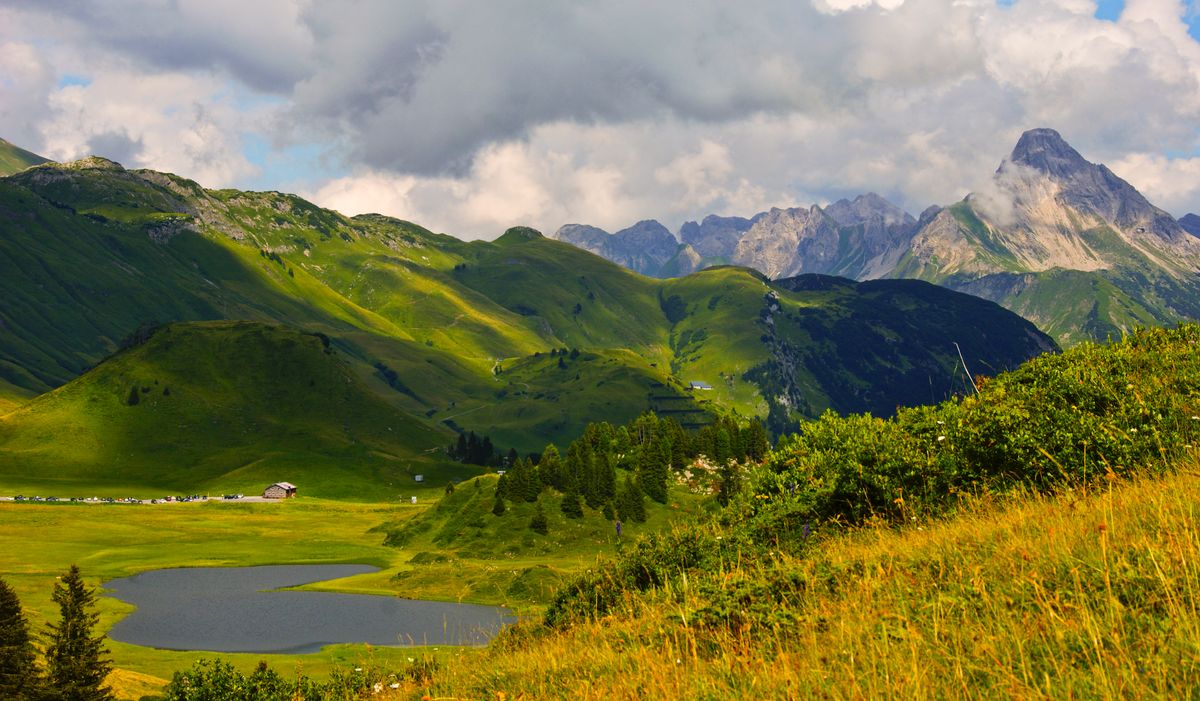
x=115, y=282
x=1058, y=239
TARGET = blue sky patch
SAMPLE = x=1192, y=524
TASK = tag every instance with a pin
x=289, y=167
x=70, y=79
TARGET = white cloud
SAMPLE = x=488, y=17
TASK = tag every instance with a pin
x=1170, y=183
x=470, y=117
x=167, y=121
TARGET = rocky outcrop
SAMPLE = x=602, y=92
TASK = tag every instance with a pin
x=715, y=237
x=646, y=247
x=1191, y=224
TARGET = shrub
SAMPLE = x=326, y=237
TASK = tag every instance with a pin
x=1058, y=420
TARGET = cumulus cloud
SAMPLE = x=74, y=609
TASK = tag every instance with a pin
x=1170, y=183
x=169, y=121
x=472, y=116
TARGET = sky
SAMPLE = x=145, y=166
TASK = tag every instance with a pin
x=471, y=117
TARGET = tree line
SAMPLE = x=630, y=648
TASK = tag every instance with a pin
x=646, y=450
x=76, y=661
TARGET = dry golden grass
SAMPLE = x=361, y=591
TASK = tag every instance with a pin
x=1077, y=595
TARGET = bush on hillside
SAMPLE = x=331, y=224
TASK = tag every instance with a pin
x=1093, y=411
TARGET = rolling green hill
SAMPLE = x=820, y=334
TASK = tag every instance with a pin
x=14, y=159
x=456, y=333
x=219, y=406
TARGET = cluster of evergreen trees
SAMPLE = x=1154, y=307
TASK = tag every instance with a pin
x=76, y=660
x=646, y=449
x=472, y=449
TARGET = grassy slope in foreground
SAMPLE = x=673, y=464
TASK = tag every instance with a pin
x=1084, y=595
x=221, y=406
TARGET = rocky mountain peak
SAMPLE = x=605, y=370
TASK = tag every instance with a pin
x=868, y=208
x=647, y=230
x=715, y=236
x=1191, y=224
x=1046, y=151
x=646, y=246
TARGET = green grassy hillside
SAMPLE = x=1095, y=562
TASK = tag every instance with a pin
x=219, y=406
x=455, y=332
x=14, y=159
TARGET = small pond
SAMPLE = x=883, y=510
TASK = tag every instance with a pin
x=232, y=609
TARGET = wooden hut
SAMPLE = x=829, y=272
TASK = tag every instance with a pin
x=280, y=490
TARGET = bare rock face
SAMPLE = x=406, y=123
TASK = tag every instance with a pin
x=1047, y=208
x=1191, y=224
x=715, y=237
x=589, y=238
x=645, y=247
x=787, y=242
x=859, y=238
x=1095, y=191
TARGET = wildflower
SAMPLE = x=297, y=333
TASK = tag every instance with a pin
x=941, y=438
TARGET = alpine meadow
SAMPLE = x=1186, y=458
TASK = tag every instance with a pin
x=823, y=349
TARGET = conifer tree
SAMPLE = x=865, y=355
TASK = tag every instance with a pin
x=731, y=482
x=515, y=479
x=550, y=468
x=631, y=502
x=533, y=482
x=722, y=452
x=19, y=676
x=607, y=475
x=487, y=453
x=654, y=467
x=498, y=507
x=76, y=660
x=755, y=442
x=571, y=507
x=539, y=523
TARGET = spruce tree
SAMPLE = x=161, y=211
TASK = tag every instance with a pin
x=722, y=452
x=19, y=677
x=498, y=507
x=76, y=660
x=539, y=523
x=533, y=482
x=654, y=468
x=550, y=468
x=571, y=507
x=637, y=502
x=731, y=482
x=754, y=438
x=631, y=501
